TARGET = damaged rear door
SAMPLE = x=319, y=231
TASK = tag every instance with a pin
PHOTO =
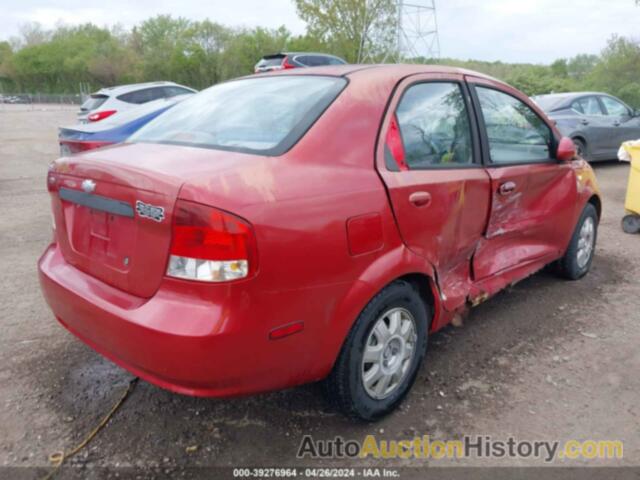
x=437, y=185
x=533, y=195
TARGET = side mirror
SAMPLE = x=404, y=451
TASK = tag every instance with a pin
x=566, y=150
x=636, y=112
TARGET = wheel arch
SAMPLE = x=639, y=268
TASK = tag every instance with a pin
x=399, y=264
x=426, y=288
x=581, y=137
x=597, y=203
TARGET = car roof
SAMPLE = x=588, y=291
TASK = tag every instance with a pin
x=292, y=54
x=560, y=101
x=311, y=53
x=120, y=89
x=390, y=71
x=566, y=97
x=570, y=94
x=282, y=54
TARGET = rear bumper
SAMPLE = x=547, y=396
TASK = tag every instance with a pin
x=179, y=339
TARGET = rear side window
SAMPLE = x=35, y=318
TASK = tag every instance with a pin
x=94, y=101
x=614, y=107
x=256, y=115
x=516, y=133
x=142, y=96
x=434, y=125
x=587, y=106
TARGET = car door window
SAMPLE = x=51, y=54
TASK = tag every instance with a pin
x=142, y=96
x=138, y=96
x=314, y=61
x=175, y=91
x=335, y=61
x=587, y=106
x=303, y=60
x=434, y=125
x=158, y=92
x=516, y=134
x=614, y=107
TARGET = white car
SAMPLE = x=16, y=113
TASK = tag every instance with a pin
x=107, y=101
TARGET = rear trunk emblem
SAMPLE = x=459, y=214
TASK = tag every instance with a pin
x=149, y=211
x=88, y=185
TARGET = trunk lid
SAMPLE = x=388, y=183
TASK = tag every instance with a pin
x=120, y=232
x=113, y=220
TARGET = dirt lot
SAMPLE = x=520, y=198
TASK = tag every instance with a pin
x=548, y=359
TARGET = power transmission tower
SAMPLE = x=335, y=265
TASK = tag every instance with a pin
x=416, y=32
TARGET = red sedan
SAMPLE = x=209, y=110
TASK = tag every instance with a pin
x=292, y=227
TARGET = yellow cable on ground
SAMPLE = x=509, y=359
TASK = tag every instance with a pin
x=58, y=458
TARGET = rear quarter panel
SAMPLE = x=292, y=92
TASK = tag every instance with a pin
x=299, y=205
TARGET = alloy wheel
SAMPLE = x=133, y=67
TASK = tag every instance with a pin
x=388, y=353
x=585, y=242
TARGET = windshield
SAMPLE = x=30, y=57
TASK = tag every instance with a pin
x=257, y=115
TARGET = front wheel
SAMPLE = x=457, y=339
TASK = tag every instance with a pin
x=380, y=358
x=581, y=149
x=579, y=256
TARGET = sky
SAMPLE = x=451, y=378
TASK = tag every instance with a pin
x=536, y=31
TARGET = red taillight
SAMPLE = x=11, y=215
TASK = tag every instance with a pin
x=210, y=245
x=52, y=179
x=97, y=116
x=394, y=143
x=285, y=63
x=76, y=146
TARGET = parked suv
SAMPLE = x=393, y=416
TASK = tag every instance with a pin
x=598, y=123
x=115, y=129
x=282, y=61
x=107, y=101
x=276, y=230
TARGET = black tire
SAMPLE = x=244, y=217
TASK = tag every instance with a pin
x=344, y=386
x=581, y=149
x=631, y=223
x=570, y=265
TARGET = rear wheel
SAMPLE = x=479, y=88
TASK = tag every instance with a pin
x=380, y=358
x=631, y=223
x=579, y=256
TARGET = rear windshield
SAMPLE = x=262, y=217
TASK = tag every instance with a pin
x=94, y=101
x=256, y=115
x=549, y=102
x=270, y=62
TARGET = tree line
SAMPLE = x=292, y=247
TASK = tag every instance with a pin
x=202, y=53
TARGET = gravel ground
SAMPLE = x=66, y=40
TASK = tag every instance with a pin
x=547, y=359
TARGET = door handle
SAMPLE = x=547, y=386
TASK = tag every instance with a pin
x=584, y=122
x=507, y=188
x=420, y=199
x=616, y=123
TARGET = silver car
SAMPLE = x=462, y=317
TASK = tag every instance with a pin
x=598, y=123
x=109, y=101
